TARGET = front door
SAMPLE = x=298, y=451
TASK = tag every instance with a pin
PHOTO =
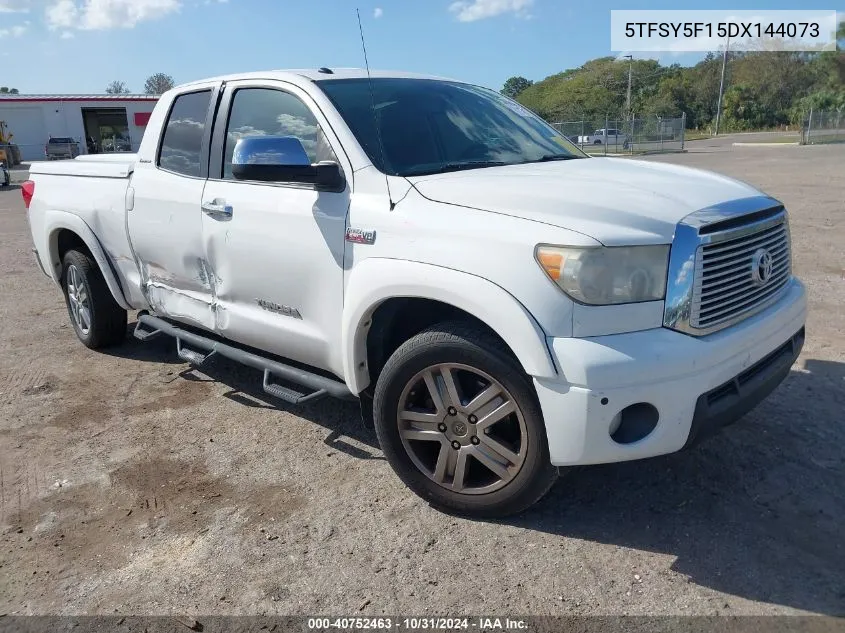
x=276, y=249
x=164, y=220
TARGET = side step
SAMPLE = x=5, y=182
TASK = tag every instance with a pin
x=150, y=326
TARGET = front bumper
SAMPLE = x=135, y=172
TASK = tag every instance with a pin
x=696, y=384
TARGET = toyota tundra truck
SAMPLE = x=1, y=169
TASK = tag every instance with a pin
x=501, y=304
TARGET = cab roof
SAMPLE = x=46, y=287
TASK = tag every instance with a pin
x=318, y=74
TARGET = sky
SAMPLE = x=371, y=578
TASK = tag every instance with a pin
x=79, y=46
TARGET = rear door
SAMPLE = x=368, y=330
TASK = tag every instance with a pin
x=165, y=223
x=276, y=249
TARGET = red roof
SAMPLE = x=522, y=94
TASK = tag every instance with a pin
x=99, y=97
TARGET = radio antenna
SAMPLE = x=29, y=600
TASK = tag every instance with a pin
x=375, y=117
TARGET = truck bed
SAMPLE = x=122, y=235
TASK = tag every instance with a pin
x=92, y=165
x=87, y=194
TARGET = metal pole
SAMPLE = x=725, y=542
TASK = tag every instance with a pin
x=722, y=86
x=606, y=139
x=633, y=134
x=809, y=125
x=660, y=126
x=683, y=128
x=628, y=97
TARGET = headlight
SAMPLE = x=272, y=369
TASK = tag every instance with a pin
x=607, y=275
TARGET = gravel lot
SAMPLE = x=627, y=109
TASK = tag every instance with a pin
x=131, y=483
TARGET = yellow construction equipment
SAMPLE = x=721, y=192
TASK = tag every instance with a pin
x=9, y=153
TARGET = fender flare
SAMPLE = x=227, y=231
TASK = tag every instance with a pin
x=375, y=280
x=55, y=221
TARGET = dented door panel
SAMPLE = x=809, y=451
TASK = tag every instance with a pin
x=163, y=219
x=166, y=235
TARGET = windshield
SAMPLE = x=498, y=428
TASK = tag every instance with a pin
x=430, y=126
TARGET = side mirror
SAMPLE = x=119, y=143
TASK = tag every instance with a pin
x=282, y=159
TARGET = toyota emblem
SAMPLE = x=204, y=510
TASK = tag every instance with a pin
x=762, y=264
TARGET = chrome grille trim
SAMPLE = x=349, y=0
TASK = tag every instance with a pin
x=710, y=285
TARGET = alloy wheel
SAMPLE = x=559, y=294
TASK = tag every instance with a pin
x=77, y=295
x=462, y=429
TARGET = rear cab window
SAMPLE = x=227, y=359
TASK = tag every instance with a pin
x=181, y=144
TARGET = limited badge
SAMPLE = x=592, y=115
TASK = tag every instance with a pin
x=360, y=236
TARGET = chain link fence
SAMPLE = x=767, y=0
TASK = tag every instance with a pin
x=823, y=126
x=626, y=136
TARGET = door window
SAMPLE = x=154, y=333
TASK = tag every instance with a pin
x=181, y=147
x=269, y=112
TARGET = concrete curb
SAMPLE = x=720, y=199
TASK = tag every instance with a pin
x=764, y=144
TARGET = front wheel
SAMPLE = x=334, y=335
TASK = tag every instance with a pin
x=460, y=424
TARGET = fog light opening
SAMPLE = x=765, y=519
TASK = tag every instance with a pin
x=633, y=423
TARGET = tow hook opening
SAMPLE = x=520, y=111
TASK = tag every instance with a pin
x=633, y=423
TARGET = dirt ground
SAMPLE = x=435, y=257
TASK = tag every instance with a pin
x=131, y=483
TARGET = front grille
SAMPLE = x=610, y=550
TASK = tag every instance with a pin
x=739, y=272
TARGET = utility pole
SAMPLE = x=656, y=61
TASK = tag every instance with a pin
x=722, y=85
x=628, y=97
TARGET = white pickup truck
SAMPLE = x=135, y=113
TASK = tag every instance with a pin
x=605, y=137
x=500, y=303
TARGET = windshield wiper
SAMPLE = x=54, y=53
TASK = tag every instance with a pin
x=473, y=164
x=550, y=157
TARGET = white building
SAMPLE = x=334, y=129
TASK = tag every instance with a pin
x=98, y=123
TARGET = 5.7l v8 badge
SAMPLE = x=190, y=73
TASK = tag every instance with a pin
x=360, y=236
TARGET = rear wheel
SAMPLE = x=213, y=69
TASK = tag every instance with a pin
x=96, y=317
x=460, y=424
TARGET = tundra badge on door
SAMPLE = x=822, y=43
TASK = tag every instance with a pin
x=280, y=309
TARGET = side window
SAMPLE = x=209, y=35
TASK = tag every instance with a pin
x=182, y=142
x=269, y=112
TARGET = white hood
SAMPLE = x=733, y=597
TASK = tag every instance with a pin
x=614, y=200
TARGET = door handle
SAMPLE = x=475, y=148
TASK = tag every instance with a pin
x=217, y=206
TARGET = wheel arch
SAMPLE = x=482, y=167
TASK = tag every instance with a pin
x=387, y=301
x=66, y=231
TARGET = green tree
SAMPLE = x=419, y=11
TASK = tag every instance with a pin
x=762, y=89
x=819, y=101
x=158, y=84
x=8, y=91
x=117, y=88
x=515, y=86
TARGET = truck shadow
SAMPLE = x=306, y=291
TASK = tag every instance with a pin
x=756, y=512
x=341, y=419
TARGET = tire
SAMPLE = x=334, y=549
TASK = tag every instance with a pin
x=478, y=364
x=83, y=284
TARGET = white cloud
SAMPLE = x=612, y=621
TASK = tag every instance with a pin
x=467, y=11
x=106, y=14
x=16, y=31
x=14, y=6
x=378, y=12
